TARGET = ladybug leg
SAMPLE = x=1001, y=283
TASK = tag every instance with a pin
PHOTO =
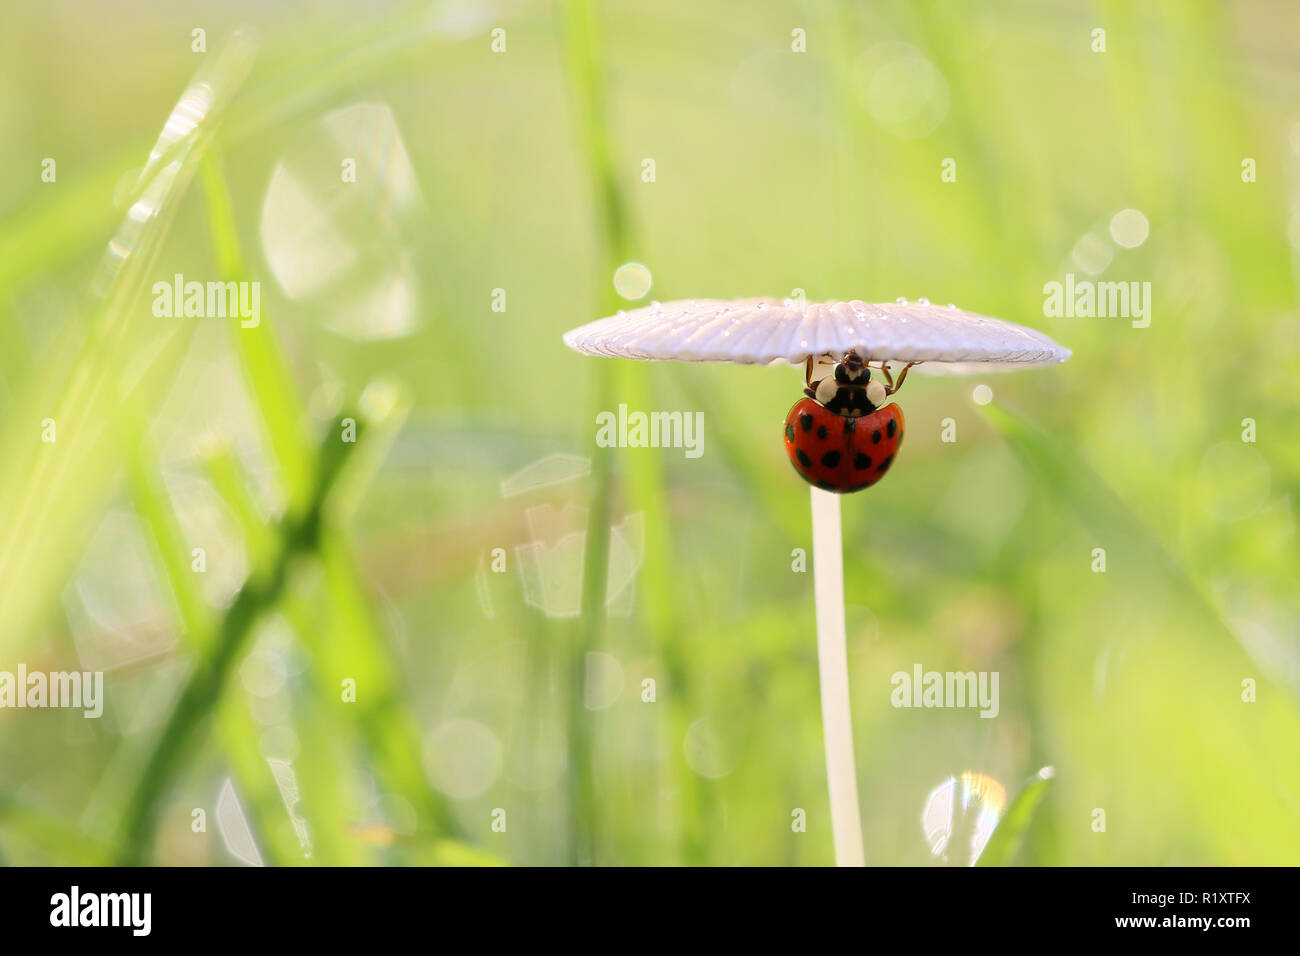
x=809, y=388
x=889, y=378
x=895, y=386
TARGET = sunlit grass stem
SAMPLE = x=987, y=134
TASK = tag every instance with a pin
x=589, y=96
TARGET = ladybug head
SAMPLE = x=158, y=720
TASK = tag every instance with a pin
x=848, y=390
x=851, y=370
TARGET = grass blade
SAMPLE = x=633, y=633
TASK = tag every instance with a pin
x=1007, y=839
x=298, y=535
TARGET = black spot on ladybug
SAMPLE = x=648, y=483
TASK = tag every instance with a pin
x=826, y=486
x=789, y=432
x=805, y=422
x=803, y=459
x=886, y=463
x=860, y=487
x=861, y=462
x=875, y=437
x=821, y=431
x=892, y=428
x=831, y=459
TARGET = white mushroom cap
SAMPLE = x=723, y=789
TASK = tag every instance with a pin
x=764, y=331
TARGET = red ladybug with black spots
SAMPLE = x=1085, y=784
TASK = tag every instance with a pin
x=838, y=437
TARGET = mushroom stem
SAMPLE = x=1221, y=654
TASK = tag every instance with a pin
x=833, y=667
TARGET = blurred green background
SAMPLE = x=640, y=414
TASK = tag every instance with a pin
x=501, y=710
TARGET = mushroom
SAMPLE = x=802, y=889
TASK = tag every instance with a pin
x=840, y=437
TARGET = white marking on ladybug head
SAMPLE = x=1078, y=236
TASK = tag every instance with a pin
x=826, y=389
x=876, y=393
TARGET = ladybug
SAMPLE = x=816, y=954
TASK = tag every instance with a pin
x=838, y=436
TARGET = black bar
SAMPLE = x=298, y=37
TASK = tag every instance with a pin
x=1000, y=907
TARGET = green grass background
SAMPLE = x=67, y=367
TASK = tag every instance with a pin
x=367, y=561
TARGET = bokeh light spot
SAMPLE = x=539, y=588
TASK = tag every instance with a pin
x=632, y=280
x=463, y=758
x=1092, y=253
x=1129, y=228
x=902, y=90
x=708, y=749
x=604, y=681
